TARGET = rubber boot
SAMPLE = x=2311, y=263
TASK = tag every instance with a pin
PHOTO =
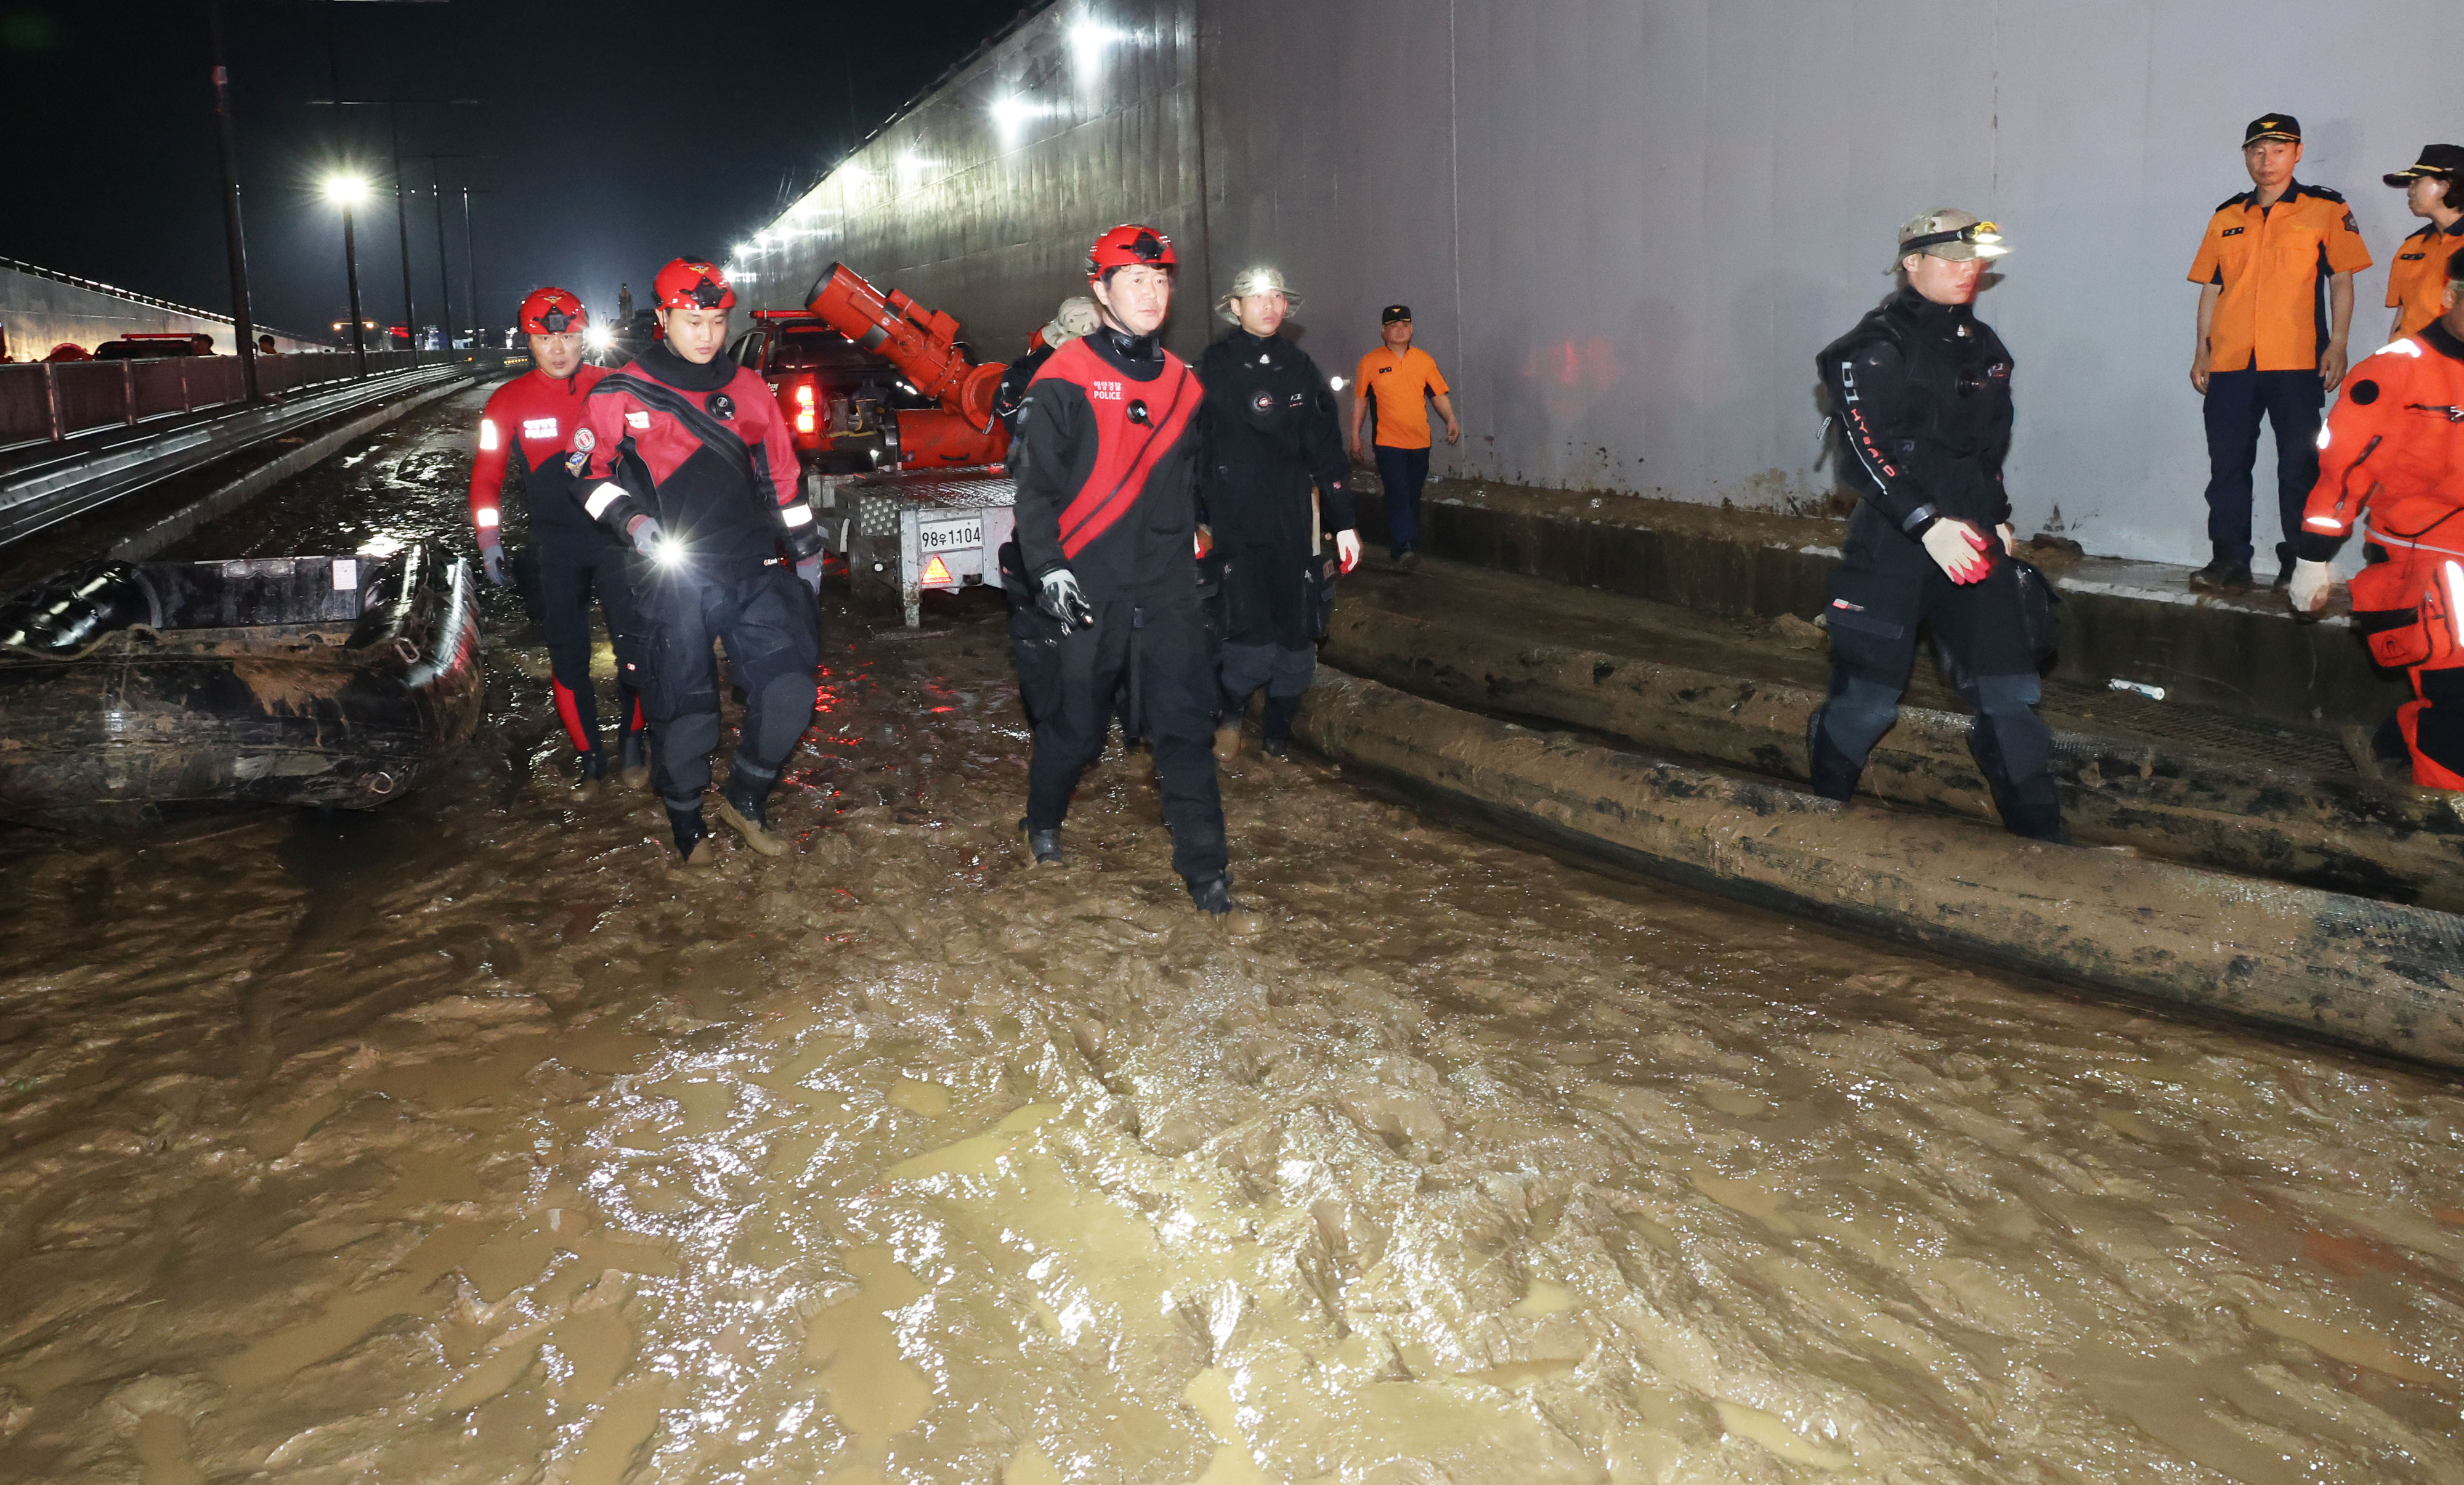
x=594, y=771
x=1276, y=725
x=633, y=758
x=1043, y=846
x=2031, y=809
x=1834, y=772
x=741, y=804
x=1227, y=739
x=692, y=837
x=1213, y=895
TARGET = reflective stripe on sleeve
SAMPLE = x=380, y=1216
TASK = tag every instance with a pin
x=487, y=434
x=2324, y=522
x=799, y=514
x=488, y=516
x=606, y=495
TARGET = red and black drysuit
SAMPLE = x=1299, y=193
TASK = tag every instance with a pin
x=524, y=430
x=2395, y=454
x=1107, y=469
x=703, y=450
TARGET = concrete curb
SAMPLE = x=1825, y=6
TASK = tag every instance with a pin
x=2384, y=978
x=2339, y=833
x=229, y=498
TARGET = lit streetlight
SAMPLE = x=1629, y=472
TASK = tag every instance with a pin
x=347, y=192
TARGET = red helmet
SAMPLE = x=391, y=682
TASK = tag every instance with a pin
x=688, y=283
x=552, y=312
x=1126, y=244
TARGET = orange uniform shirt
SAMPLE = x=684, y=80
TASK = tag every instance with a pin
x=2272, y=265
x=2418, y=279
x=1400, y=387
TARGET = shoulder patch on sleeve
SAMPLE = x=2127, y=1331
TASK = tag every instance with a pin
x=2351, y=226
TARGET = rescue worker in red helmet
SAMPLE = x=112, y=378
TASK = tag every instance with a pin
x=2394, y=456
x=523, y=429
x=1107, y=468
x=684, y=454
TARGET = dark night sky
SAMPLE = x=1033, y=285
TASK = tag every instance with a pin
x=624, y=133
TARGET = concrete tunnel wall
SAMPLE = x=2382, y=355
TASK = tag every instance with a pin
x=37, y=313
x=1626, y=227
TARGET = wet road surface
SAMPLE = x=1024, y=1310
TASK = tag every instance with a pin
x=465, y=1141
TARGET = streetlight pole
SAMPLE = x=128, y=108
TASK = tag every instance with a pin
x=444, y=264
x=235, y=241
x=347, y=192
x=471, y=254
x=402, y=191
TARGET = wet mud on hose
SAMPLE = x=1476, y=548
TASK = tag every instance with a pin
x=2378, y=976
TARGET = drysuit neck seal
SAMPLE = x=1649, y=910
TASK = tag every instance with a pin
x=1136, y=350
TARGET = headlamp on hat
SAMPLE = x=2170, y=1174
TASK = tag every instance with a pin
x=1986, y=237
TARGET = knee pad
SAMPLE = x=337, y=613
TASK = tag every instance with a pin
x=1245, y=668
x=1292, y=673
x=780, y=711
x=2006, y=714
x=1856, y=713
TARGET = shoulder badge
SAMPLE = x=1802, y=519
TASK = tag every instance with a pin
x=585, y=441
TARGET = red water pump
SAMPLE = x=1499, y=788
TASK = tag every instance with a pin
x=923, y=345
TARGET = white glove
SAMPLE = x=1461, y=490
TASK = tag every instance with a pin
x=2009, y=537
x=1065, y=600
x=492, y=561
x=2311, y=580
x=1957, y=549
x=646, y=533
x=1347, y=549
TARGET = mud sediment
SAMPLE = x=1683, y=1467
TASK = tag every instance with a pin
x=2248, y=815
x=2378, y=976
x=464, y=1142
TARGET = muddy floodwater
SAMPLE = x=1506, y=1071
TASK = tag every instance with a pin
x=463, y=1141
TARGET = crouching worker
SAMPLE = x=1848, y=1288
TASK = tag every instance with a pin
x=2394, y=458
x=1106, y=462
x=687, y=458
x=1271, y=430
x=1922, y=389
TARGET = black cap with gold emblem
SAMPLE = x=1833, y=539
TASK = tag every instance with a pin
x=2272, y=126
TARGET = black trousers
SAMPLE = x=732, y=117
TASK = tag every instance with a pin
x=772, y=629
x=571, y=573
x=1403, y=472
x=2236, y=401
x=1885, y=590
x=1156, y=645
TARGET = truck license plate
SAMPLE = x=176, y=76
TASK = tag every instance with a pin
x=949, y=536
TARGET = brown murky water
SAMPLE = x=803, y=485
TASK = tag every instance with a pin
x=462, y=1141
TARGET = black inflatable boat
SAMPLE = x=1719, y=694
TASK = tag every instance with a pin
x=126, y=688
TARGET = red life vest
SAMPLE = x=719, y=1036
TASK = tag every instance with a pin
x=1137, y=424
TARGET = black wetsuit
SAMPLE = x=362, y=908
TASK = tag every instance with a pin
x=1271, y=430
x=1923, y=394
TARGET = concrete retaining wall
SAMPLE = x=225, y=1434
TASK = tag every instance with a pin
x=37, y=313
x=1626, y=226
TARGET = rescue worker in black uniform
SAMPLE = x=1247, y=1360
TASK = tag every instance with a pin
x=1923, y=390
x=1106, y=470
x=1270, y=429
x=1075, y=318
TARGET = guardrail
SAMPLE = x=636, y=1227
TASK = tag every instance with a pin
x=49, y=402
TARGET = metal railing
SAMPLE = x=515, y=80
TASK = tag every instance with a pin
x=49, y=402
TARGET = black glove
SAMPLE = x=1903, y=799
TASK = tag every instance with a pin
x=1065, y=600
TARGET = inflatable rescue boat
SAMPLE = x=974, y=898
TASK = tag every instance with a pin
x=340, y=682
